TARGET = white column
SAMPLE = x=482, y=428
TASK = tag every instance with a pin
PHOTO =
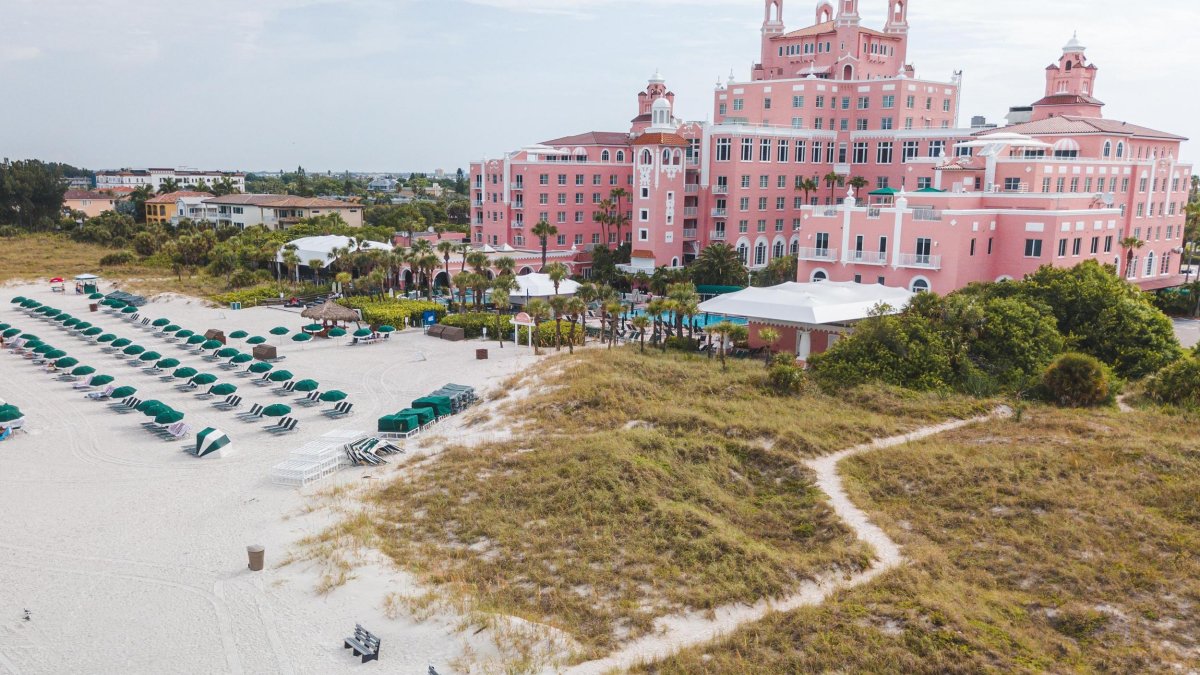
x=803, y=344
x=847, y=209
x=898, y=230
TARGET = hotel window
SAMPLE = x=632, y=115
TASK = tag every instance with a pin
x=579, y=240
x=738, y=104
x=1095, y=247
x=946, y=105
x=762, y=225
x=860, y=152
x=1087, y=185
x=1074, y=185
x=780, y=203
x=723, y=149
x=543, y=198
x=1142, y=184
x=883, y=154
x=936, y=148
x=885, y=123
x=864, y=102
x=843, y=124
x=797, y=101
x=544, y=179
x=889, y=101
x=643, y=215
x=562, y=179
x=820, y=102
x=781, y=182
x=816, y=152
x=972, y=246
x=578, y=197
x=797, y=202
x=1046, y=184
x=929, y=103
x=645, y=193
x=845, y=103
x=620, y=155
x=760, y=253
x=762, y=203
x=841, y=153
x=743, y=226
x=747, y=149
x=797, y=122
x=595, y=197
x=596, y=179
x=764, y=182
x=777, y=250
x=910, y=150
x=924, y=183
x=745, y=182
x=643, y=234
x=800, y=151
x=595, y=237
x=779, y=224
x=743, y=203
x=795, y=227
x=1076, y=246
x=818, y=123
x=1124, y=183
x=562, y=216
x=1141, y=210
x=767, y=103
x=1033, y=248
x=612, y=180
x=1012, y=184
x=1060, y=185
x=764, y=150
x=860, y=125
x=562, y=240
x=562, y=199
x=781, y=155
x=908, y=123
x=881, y=182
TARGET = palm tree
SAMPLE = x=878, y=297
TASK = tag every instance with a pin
x=831, y=179
x=543, y=231
x=576, y=309
x=728, y=332
x=603, y=215
x=478, y=261
x=641, y=322
x=587, y=294
x=558, y=304
x=808, y=186
x=463, y=281
x=719, y=265
x=619, y=219
x=463, y=250
x=315, y=265
x=505, y=266
x=539, y=311
x=684, y=301
x=168, y=185
x=557, y=273
x=1130, y=244
x=613, y=308
x=771, y=337
x=500, y=300
x=858, y=183
x=655, y=309
x=428, y=263
x=291, y=261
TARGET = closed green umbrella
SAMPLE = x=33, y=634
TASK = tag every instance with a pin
x=167, y=364
x=256, y=340
x=333, y=396
x=122, y=342
x=172, y=328
x=128, y=310
x=101, y=380
x=277, y=410
x=241, y=358
x=362, y=332
x=301, y=337
x=204, y=378
x=281, y=376
x=196, y=340
x=9, y=413
x=107, y=337
x=66, y=362
x=260, y=368
x=93, y=331
x=169, y=417
x=150, y=356
x=387, y=329
x=72, y=322
x=238, y=334
x=337, y=332
x=124, y=392
x=83, y=371
x=185, y=333
x=55, y=354
x=133, y=350
x=83, y=325
x=224, y=389
x=43, y=349
x=228, y=353
x=305, y=386
x=210, y=344
x=184, y=373
x=159, y=323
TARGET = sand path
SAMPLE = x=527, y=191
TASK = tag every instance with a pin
x=685, y=630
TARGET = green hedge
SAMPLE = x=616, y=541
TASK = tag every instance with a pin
x=473, y=323
x=546, y=334
x=392, y=312
x=249, y=297
x=1178, y=383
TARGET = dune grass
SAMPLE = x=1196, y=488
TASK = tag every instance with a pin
x=637, y=486
x=1064, y=542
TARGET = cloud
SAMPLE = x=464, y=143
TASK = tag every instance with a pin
x=14, y=53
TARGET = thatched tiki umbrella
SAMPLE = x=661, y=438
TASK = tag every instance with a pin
x=330, y=313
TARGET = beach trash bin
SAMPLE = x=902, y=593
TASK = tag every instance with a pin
x=481, y=354
x=256, y=554
x=93, y=307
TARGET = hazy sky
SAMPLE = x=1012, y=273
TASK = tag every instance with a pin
x=423, y=84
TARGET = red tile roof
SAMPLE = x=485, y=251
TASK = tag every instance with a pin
x=641, y=254
x=659, y=138
x=1072, y=124
x=75, y=195
x=592, y=138
x=1068, y=99
x=281, y=202
x=172, y=197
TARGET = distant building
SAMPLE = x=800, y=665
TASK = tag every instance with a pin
x=78, y=183
x=134, y=178
x=383, y=184
x=278, y=212
x=171, y=207
x=92, y=203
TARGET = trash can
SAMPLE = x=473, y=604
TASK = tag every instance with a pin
x=93, y=307
x=256, y=553
x=481, y=354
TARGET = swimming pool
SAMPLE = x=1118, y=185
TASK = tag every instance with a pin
x=700, y=320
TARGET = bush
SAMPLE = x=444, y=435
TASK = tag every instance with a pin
x=546, y=334
x=904, y=350
x=1077, y=381
x=9, y=231
x=392, y=312
x=682, y=344
x=473, y=323
x=249, y=297
x=242, y=279
x=118, y=259
x=785, y=376
x=1177, y=384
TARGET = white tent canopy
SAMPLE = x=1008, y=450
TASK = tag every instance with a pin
x=813, y=304
x=532, y=286
x=319, y=248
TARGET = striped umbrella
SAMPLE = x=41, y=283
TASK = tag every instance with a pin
x=159, y=323
x=238, y=334
x=261, y=367
x=82, y=371
x=223, y=389
x=167, y=364
x=305, y=386
x=333, y=396
x=150, y=356
x=204, y=378
x=184, y=373
x=241, y=358
x=124, y=392
x=209, y=441
x=256, y=340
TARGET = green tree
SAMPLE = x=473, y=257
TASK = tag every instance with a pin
x=858, y=183
x=770, y=338
x=613, y=309
x=1131, y=245
x=315, y=266
x=543, y=231
x=558, y=273
x=501, y=301
x=31, y=194
x=641, y=323
x=558, y=305
x=808, y=186
x=832, y=180
x=718, y=265
x=539, y=311
x=169, y=185
x=619, y=217
x=576, y=310
x=728, y=332
x=140, y=195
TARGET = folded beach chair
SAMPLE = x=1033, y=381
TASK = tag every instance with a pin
x=255, y=413
x=338, y=411
x=285, y=425
x=313, y=398
x=229, y=403
x=102, y=395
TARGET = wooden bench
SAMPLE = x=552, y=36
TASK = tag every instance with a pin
x=364, y=643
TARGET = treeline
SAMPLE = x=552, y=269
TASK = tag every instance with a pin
x=303, y=184
x=31, y=194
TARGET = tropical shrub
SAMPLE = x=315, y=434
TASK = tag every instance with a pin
x=785, y=377
x=1077, y=381
x=545, y=334
x=393, y=312
x=1136, y=338
x=1177, y=384
x=249, y=297
x=903, y=350
x=118, y=258
x=473, y=323
x=242, y=279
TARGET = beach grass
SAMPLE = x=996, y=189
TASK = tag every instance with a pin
x=636, y=486
x=1063, y=542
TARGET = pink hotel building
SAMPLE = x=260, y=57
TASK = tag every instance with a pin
x=944, y=205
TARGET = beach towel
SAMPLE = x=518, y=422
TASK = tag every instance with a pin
x=5, y=434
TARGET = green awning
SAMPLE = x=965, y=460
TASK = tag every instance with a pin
x=884, y=192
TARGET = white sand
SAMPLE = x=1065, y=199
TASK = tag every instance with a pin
x=130, y=553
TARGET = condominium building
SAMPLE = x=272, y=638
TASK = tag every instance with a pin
x=185, y=178
x=279, y=211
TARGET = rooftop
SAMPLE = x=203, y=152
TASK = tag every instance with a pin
x=814, y=304
x=1071, y=124
x=85, y=194
x=281, y=201
x=592, y=138
x=172, y=197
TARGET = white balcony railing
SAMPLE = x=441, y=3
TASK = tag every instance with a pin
x=826, y=254
x=827, y=212
x=927, y=214
x=928, y=262
x=873, y=212
x=720, y=189
x=717, y=235
x=690, y=211
x=718, y=213
x=866, y=257
x=691, y=188
x=689, y=233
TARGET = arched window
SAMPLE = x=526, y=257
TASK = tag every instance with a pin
x=777, y=249
x=1120, y=150
x=1066, y=148
x=795, y=247
x=620, y=155
x=666, y=157
x=743, y=252
x=760, y=253
x=1149, y=264
x=604, y=156
x=677, y=157
x=919, y=285
x=647, y=158
x=818, y=275
x=674, y=262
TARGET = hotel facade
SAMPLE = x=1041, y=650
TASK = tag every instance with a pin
x=939, y=206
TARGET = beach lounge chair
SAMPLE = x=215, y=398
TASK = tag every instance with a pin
x=287, y=388
x=145, y=324
x=153, y=370
x=313, y=398
x=285, y=425
x=15, y=426
x=102, y=395
x=130, y=402
x=264, y=381
x=255, y=413
x=228, y=366
x=229, y=403
x=177, y=432
x=340, y=410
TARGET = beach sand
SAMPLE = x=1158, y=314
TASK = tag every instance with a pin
x=130, y=553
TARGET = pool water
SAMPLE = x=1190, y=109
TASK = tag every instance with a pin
x=700, y=320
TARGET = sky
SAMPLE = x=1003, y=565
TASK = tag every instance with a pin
x=400, y=85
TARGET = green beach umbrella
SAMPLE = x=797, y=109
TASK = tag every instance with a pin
x=93, y=331
x=238, y=334
x=17, y=299
x=210, y=344
x=241, y=358
x=96, y=296
x=228, y=353
x=337, y=332
x=301, y=337
x=223, y=389
x=66, y=362
x=277, y=410
x=169, y=417
x=122, y=342
x=55, y=354
x=71, y=322
x=185, y=333
x=196, y=340
x=156, y=409
x=362, y=332
x=172, y=328
x=256, y=340
x=260, y=368
x=28, y=336
x=159, y=323
x=146, y=405
x=81, y=371
x=184, y=373
x=124, y=392
x=150, y=356
x=101, y=380
x=11, y=332
x=32, y=344
x=32, y=304
x=281, y=376
x=167, y=364
x=128, y=310
x=305, y=386
x=42, y=349
x=313, y=327
x=333, y=396
x=133, y=350
x=9, y=413
x=5, y=326
x=51, y=311
x=279, y=330
x=387, y=329
x=209, y=441
x=204, y=378
x=83, y=325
